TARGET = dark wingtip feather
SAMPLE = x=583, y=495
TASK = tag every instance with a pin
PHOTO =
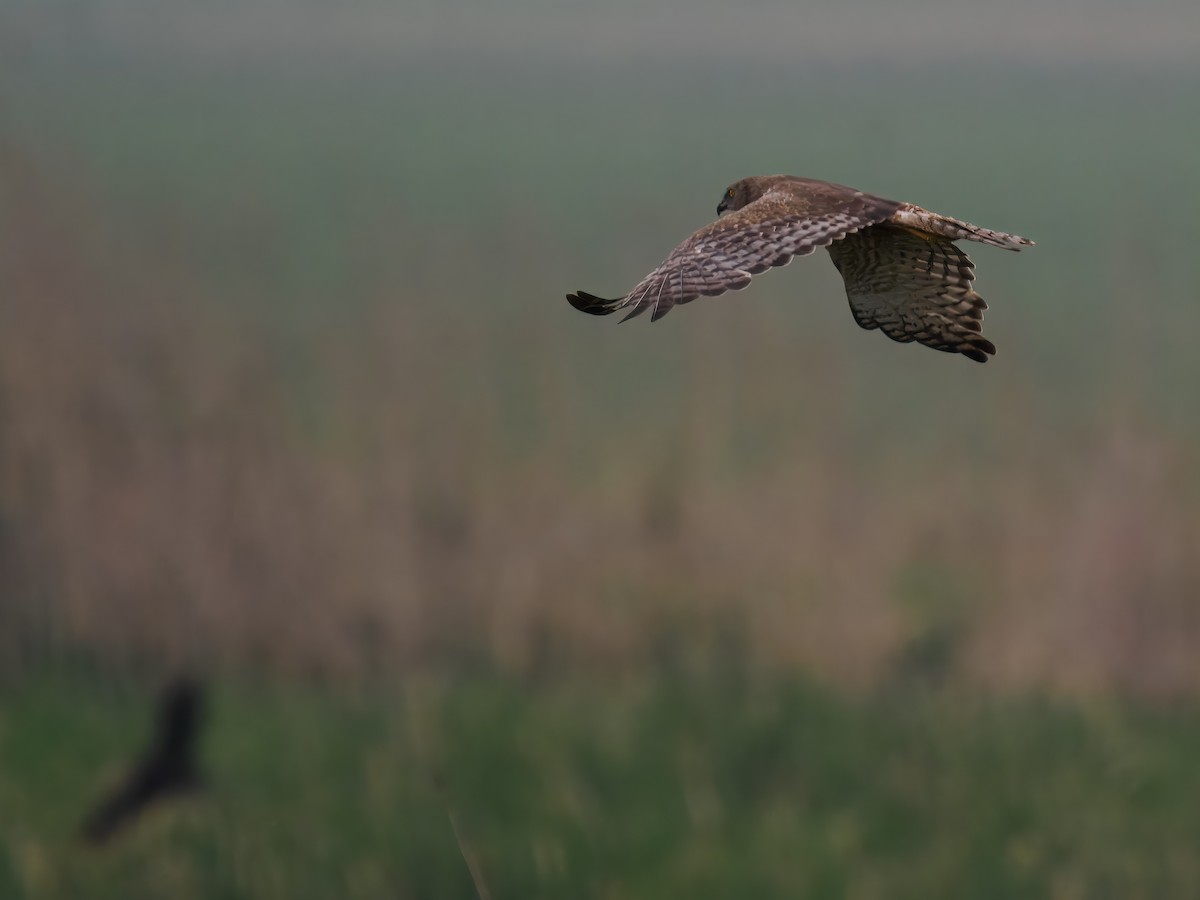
x=590, y=303
x=979, y=350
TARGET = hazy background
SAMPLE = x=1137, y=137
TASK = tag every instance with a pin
x=290, y=398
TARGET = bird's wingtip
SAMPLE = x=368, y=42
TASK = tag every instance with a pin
x=590, y=303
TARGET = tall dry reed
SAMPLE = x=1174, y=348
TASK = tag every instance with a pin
x=169, y=492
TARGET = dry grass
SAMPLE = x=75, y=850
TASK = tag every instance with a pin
x=167, y=491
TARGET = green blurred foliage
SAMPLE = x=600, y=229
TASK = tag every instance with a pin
x=709, y=785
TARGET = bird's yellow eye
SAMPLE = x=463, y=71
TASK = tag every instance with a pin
x=729, y=193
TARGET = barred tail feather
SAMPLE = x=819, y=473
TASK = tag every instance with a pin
x=922, y=220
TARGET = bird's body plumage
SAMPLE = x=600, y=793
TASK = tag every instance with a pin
x=903, y=273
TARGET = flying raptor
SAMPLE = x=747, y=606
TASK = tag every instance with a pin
x=903, y=273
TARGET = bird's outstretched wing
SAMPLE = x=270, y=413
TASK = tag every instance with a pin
x=167, y=768
x=727, y=254
x=913, y=287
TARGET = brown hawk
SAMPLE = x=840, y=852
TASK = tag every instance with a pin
x=903, y=273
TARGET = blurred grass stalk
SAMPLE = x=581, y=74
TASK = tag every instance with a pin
x=169, y=489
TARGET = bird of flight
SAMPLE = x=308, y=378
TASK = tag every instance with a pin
x=168, y=767
x=903, y=273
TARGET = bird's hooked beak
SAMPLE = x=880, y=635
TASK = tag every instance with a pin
x=722, y=206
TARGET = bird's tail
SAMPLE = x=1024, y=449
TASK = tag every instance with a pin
x=108, y=818
x=922, y=221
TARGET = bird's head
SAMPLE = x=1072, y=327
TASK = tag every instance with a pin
x=743, y=192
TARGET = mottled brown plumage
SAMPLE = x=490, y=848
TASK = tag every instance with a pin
x=903, y=273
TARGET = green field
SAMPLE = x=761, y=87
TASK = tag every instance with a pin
x=699, y=786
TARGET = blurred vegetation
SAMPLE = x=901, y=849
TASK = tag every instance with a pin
x=711, y=785
x=749, y=602
x=288, y=377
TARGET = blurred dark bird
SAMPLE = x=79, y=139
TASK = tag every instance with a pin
x=168, y=768
x=903, y=273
